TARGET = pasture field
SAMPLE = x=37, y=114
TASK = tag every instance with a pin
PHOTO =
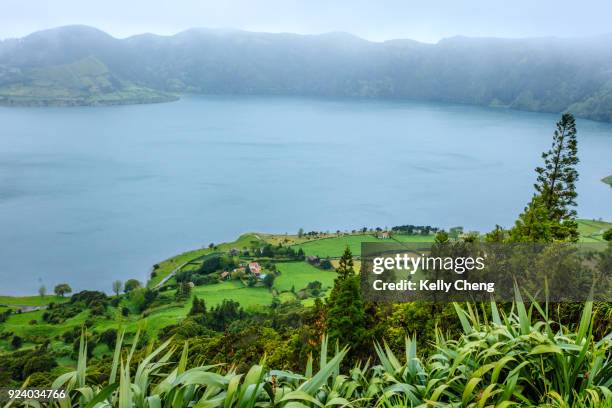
x=232, y=290
x=20, y=325
x=300, y=274
x=292, y=274
x=157, y=318
x=413, y=238
x=334, y=247
x=592, y=230
x=288, y=239
x=285, y=297
x=249, y=298
x=32, y=300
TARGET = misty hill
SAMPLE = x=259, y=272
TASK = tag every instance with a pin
x=86, y=81
x=546, y=74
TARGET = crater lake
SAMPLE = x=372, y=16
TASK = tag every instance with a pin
x=89, y=195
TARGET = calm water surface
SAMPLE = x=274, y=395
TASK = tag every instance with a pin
x=90, y=195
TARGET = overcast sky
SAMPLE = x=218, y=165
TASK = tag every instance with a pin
x=424, y=20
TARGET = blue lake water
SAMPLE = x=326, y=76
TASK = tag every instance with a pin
x=89, y=195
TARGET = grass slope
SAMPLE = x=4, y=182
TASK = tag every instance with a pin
x=293, y=274
x=31, y=300
x=249, y=298
x=84, y=82
x=170, y=264
x=300, y=274
x=592, y=231
x=334, y=247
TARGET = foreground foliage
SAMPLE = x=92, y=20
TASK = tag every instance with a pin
x=501, y=359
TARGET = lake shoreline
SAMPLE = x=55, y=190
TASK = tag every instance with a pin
x=163, y=271
x=72, y=103
x=7, y=102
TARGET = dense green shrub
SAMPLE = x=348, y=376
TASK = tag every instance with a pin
x=96, y=302
x=16, y=342
x=17, y=366
x=109, y=337
x=500, y=359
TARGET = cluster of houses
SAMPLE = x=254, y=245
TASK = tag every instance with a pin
x=253, y=268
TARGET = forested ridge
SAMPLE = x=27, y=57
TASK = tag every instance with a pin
x=82, y=65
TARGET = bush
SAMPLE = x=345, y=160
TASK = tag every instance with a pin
x=96, y=301
x=71, y=335
x=142, y=298
x=268, y=281
x=5, y=315
x=16, y=342
x=88, y=297
x=42, y=363
x=41, y=380
x=314, y=285
x=131, y=284
x=109, y=337
x=20, y=364
x=97, y=308
x=502, y=359
x=325, y=264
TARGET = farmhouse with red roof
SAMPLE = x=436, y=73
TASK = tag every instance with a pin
x=255, y=268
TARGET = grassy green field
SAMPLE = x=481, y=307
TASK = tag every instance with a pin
x=287, y=297
x=159, y=317
x=592, y=231
x=31, y=300
x=292, y=274
x=249, y=298
x=19, y=323
x=334, y=247
x=234, y=290
x=300, y=274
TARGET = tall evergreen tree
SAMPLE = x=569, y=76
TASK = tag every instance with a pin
x=557, y=179
x=346, y=318
x=549, y=216
x=346, y=313
x=345, y=266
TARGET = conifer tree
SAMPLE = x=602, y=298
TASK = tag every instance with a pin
x=345, y=267
x=346, y=313
x=549, y=216
x=198, y=306
x=346, y=318
x=557, y=179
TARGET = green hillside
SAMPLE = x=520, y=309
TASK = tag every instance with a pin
x=84, y=82
x=165, y=306
x=519, y=74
